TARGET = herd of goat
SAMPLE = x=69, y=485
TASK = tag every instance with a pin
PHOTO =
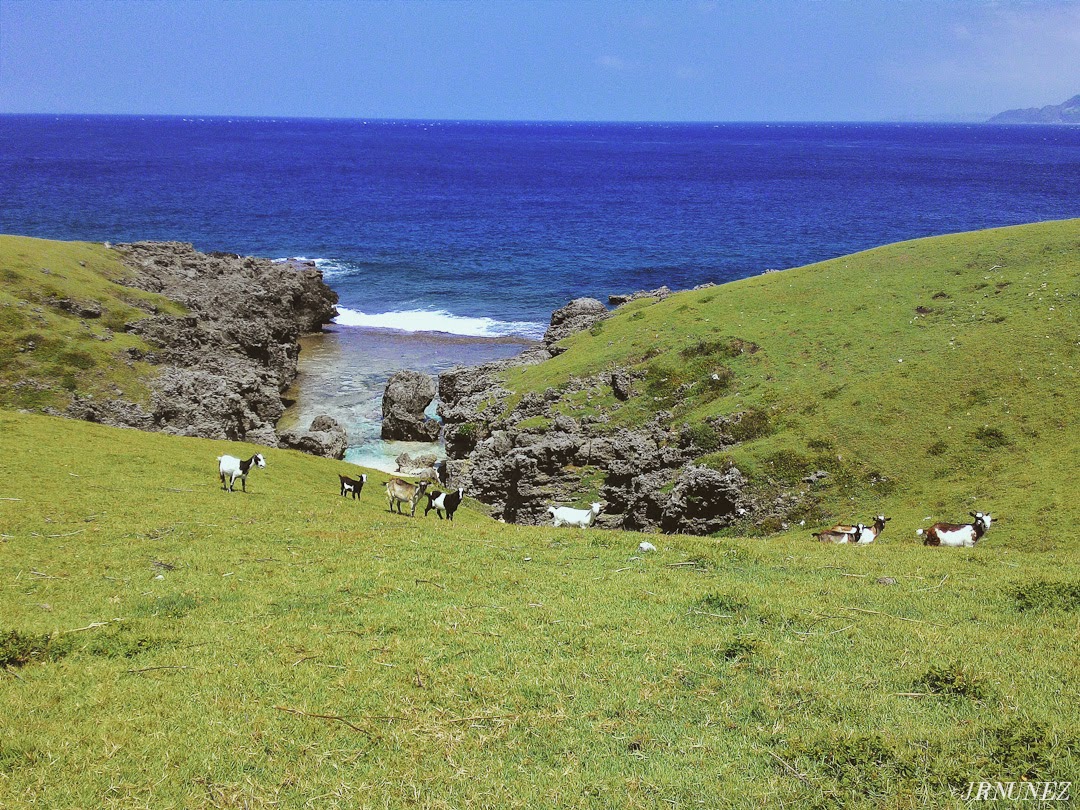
x=399, y=492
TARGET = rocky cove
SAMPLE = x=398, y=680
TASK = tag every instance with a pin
x=224, y=366
x=229, y=368
x=519, y=460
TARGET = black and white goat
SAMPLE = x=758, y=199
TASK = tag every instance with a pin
x=352, y=485
x=399, y=492
x=957, y=535
x=444, y=501
x=233, y=468
x=869, y=533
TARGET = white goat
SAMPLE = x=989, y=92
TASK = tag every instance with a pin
x=236, y=468
x=565, y=516
x=957, y=535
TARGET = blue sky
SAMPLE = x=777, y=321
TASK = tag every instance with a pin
x=623, y=60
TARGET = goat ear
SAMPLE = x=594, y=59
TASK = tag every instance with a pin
x=974, y=515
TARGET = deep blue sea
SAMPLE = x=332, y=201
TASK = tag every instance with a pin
x=484, y=228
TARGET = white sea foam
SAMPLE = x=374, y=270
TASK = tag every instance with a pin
x=438, y=320
x=329, y=267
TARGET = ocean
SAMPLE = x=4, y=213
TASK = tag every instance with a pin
x=479, y=230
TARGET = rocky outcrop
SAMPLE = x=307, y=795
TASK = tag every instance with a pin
x=325, y=437
x=660, y=293
x=421, y=465
x=407, y=395
x=521, y=460
x=225, y=364
x=579, y=314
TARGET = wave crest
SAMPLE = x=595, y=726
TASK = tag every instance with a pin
x=438, y=320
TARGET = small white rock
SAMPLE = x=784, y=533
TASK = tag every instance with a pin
x=646, y=546
x=160, y=576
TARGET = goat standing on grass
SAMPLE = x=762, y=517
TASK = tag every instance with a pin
x=448, y=501
x=957, y=535
x=399, y=492
x=235, y=468
x=352, y=485
x=565, y=516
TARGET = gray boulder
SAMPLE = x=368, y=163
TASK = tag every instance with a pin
x=407, y=395
x=579, y=314
x=325, y=437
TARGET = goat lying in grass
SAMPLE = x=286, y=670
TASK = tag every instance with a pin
x=440, y=501
x=399, y=492
x=840, y=534
x=565, y=516
x=352, y=485
x=860, y=533
x=956, y=535
x=235, y=468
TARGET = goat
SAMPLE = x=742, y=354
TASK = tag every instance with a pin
x=841, y=534
x=235, y=468
x=442, y=472
x=399, y=492
x=440, y=501
x=859, y=533
x=869, y=533
x=565, y=516
x=957, y=535
x=352, y=485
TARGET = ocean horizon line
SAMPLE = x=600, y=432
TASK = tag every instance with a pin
x=228, y=117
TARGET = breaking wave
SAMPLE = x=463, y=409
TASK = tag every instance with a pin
x=439, y=320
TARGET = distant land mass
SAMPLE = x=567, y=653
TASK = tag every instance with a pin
x=1066, y=113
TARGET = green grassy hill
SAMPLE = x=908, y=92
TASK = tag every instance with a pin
x=62, y=324
x=927, y=378
x=170, y=645
x=165, y=644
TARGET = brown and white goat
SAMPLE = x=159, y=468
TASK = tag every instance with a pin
x=840, y=534
x=399, y=492
x=957, y=535
x=860, y=533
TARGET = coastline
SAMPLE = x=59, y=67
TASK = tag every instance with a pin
x=343, y=371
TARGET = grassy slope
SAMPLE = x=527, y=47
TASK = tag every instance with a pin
x=971, y=404
x=480, y=664
x=47, y=353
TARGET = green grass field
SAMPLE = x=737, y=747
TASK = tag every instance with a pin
x=48, y=350
x=167, y=645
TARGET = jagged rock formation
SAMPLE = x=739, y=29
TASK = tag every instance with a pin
x=325, y=437
x=649, y=478
x=1067, y=112
x=227, y=362
x=407, y=395
x=579, y=314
